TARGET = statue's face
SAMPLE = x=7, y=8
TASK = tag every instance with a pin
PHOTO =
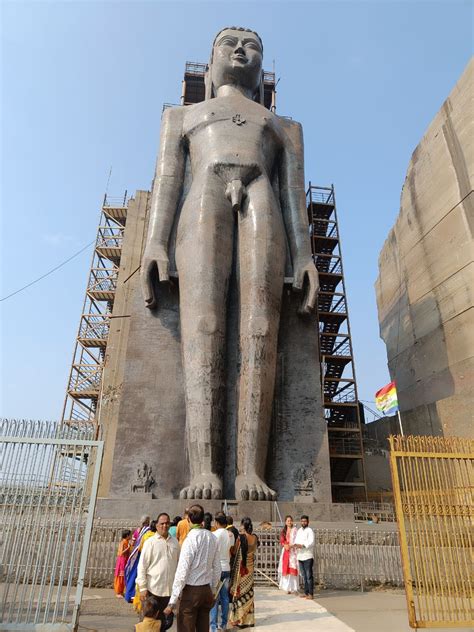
x=237, y=59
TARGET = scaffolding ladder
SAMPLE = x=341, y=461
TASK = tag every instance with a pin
x=339, y=386
x=81, y=404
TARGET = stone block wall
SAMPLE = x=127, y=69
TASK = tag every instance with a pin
x=424, y=290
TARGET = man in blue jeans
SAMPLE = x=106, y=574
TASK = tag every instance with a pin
x=226, y=541
x=304, y=543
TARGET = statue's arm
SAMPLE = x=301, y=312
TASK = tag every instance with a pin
x=167, y=187
x=293, y=204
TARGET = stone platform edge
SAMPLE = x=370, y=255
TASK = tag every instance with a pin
x=133, y=507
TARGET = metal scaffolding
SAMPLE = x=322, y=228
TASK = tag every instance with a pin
x=81, y=404
x=339, y=386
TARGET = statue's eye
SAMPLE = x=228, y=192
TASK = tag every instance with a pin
x=228, y=41
x=252, y=45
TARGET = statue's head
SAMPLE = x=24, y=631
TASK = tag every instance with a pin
x=236, y=58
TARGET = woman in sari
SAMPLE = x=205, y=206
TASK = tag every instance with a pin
x=288, y=566
x=131, y=566
x=242, y=610
x=122, y=557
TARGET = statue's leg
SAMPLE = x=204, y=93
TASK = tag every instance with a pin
x=262, y=254
x=204, y=262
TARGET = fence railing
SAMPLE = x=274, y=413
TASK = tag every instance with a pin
x=382, y=512
x=432, y=485
x=343, y=558
x=48, y=484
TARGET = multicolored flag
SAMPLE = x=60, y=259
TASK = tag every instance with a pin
x=386, y=399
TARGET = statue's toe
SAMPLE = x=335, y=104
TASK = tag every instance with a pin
x=261, y=493
x=198, y=492
x=253, y=493
x=183, y=493
x=244, y=493
x=216, y=493
x=207, y=491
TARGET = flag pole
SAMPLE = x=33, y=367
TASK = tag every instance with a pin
x=400, y=422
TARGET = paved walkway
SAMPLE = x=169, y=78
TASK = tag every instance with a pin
x=331, y=611
x=275, y=612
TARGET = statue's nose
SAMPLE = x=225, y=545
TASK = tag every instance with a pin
x=239, y=49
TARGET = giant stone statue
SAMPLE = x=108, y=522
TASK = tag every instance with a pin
x=246, y=202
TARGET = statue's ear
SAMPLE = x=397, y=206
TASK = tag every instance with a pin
x=261, y=91
x=208, y=83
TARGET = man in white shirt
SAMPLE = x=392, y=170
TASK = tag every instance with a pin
x=225, y=540
x=304, y=543
x=197, y=576
x=157, y=565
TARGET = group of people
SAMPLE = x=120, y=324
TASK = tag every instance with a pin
x=205, y=564
x=297, y=554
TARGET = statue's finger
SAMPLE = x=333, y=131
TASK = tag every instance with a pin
x=147, y=285
x=312, y=293
x=298, y=280
x=163, y=271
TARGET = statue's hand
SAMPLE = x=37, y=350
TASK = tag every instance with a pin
x=306, y=278
x=152, y=261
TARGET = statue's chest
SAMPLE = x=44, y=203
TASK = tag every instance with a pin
x=230, y=119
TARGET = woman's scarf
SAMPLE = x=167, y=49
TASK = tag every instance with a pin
x=293, y=562
x=289, y=538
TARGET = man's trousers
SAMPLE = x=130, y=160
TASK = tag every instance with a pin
x=222, y=601
x=306, y=572
x=166, y=622
x=193, y=613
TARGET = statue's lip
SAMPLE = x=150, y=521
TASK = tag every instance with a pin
x=239, y=57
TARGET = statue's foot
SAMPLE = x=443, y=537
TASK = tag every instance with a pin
x=251, y=487
x=203, y=487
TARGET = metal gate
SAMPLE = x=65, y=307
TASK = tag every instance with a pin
x=433, y=482
x=49, y=476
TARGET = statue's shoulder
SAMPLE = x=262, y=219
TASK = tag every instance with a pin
x=292, y=131
x=289, y=124
x=173, y=113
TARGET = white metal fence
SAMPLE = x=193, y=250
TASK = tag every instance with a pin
x=344, y=558
x=48, y=484
x=374, y=511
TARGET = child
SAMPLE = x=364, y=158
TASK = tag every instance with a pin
x=122, y=557
x=151, y=612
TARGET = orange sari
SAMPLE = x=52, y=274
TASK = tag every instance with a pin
x=122, y=557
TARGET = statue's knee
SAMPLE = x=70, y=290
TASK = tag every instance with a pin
x=259, y=326
x=208, y=324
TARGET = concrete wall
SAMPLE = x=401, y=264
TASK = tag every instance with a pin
x=425, y=283
x=114, y=361
x=377, y=472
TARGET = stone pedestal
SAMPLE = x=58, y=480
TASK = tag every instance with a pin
x=259, y=511
x=304, y=499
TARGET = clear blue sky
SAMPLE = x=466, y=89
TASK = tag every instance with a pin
x=82, y=89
